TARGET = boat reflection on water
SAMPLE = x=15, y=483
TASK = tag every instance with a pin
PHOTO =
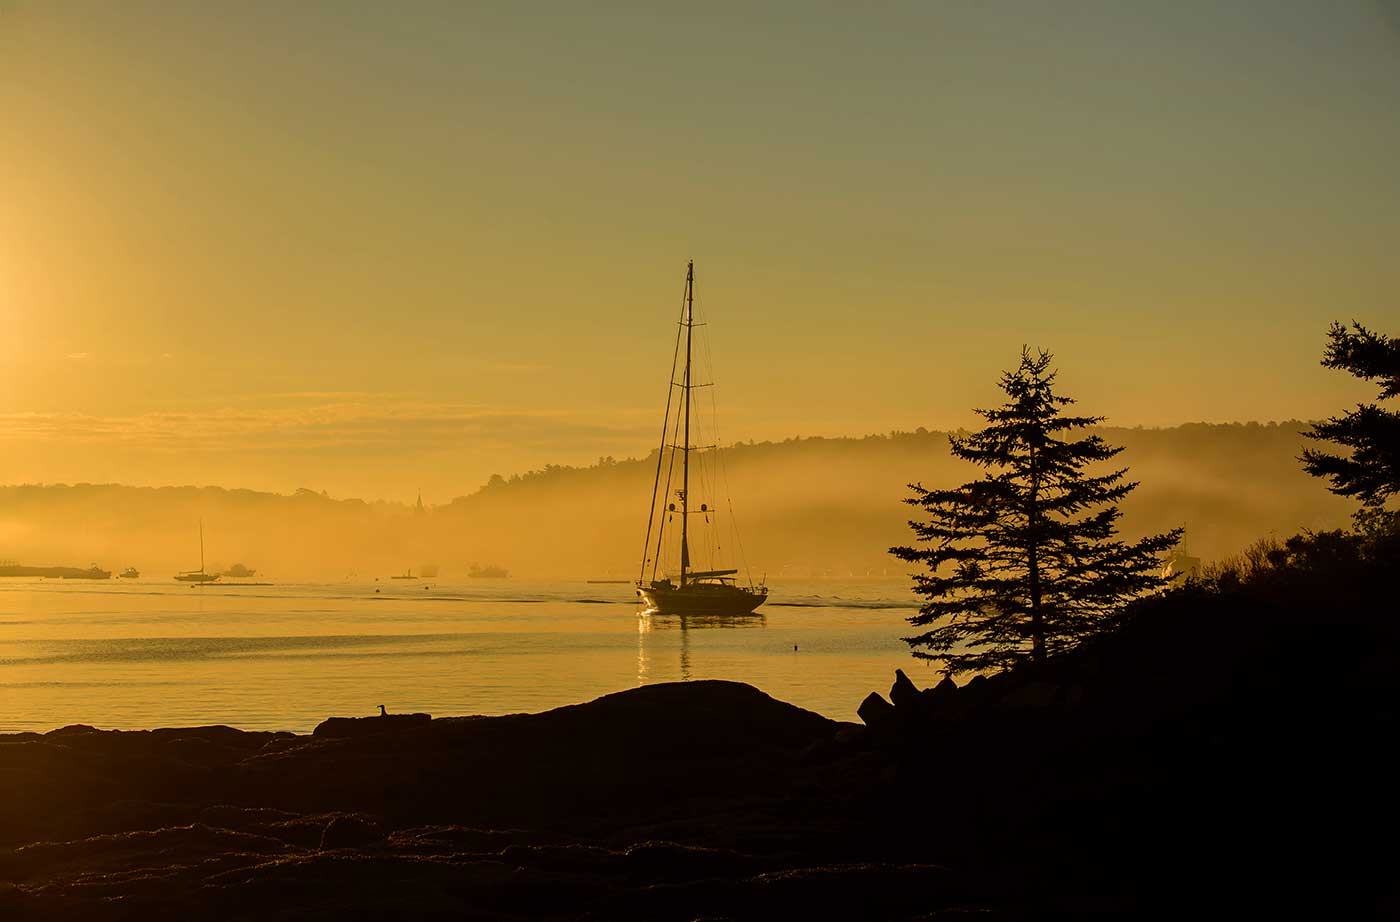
x=684, y=622
x=649, y=622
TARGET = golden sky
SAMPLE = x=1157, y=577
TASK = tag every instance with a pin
x=369, y=247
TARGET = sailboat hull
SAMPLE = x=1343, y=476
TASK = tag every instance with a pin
x=701, y=599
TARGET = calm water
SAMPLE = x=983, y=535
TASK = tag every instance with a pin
x=153, y=653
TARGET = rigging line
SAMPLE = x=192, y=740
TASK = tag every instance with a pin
x=709, y=481
x=707, y=362
x=743, y=559
x=698, y=435
x=656, y=481
x=723, y=469
x=670, y=473
x=659, y=556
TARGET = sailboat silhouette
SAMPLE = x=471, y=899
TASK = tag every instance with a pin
x=198, y=576
x=713, y=591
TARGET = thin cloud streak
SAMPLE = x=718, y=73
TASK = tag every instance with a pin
x=348, y=425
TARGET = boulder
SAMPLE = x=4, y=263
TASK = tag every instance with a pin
x=904, y=695
x=941, y=700
x=976, y=690
x=878, y=714
x=339, y=727
x=943, y=691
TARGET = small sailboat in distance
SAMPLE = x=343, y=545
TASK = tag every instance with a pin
x=713, y=591
x=198, y=576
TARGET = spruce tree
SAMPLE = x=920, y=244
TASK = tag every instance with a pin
x=1024, y=562
x=1370, y=472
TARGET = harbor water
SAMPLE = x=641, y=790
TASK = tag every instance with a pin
x=145, y=653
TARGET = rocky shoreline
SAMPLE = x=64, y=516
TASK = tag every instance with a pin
x=619, y=808
x=1138, y=775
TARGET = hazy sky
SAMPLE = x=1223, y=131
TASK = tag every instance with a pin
x=374, y=246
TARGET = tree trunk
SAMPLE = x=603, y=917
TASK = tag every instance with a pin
x=1037, y=619
x=1033, y=559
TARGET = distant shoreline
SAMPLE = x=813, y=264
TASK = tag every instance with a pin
x=15, y=571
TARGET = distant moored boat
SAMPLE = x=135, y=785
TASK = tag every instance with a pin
x=198, y=576
x=92, y=572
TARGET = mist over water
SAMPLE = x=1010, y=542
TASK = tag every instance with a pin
x=809, y=507
x=319, y=640
x=153, y=653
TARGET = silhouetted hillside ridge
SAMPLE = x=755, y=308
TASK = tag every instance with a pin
x=805, y=506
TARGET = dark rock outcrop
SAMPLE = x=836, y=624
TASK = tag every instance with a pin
x=621, y=807
x=903, y=694
x=342, y=727
x=940, y=697
x=879, y=715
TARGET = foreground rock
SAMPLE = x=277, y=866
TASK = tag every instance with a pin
x=333, y=727
x=669, y=801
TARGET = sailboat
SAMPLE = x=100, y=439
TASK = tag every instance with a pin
x=198, y=576
x=713, y=591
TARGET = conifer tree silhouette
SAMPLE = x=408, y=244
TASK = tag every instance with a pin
x=1371, y=471
x=1024, y=562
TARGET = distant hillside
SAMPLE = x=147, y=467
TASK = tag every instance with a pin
x=805, y=507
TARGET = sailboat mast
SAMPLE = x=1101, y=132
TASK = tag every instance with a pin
x=685, y=444
x=201, y=545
